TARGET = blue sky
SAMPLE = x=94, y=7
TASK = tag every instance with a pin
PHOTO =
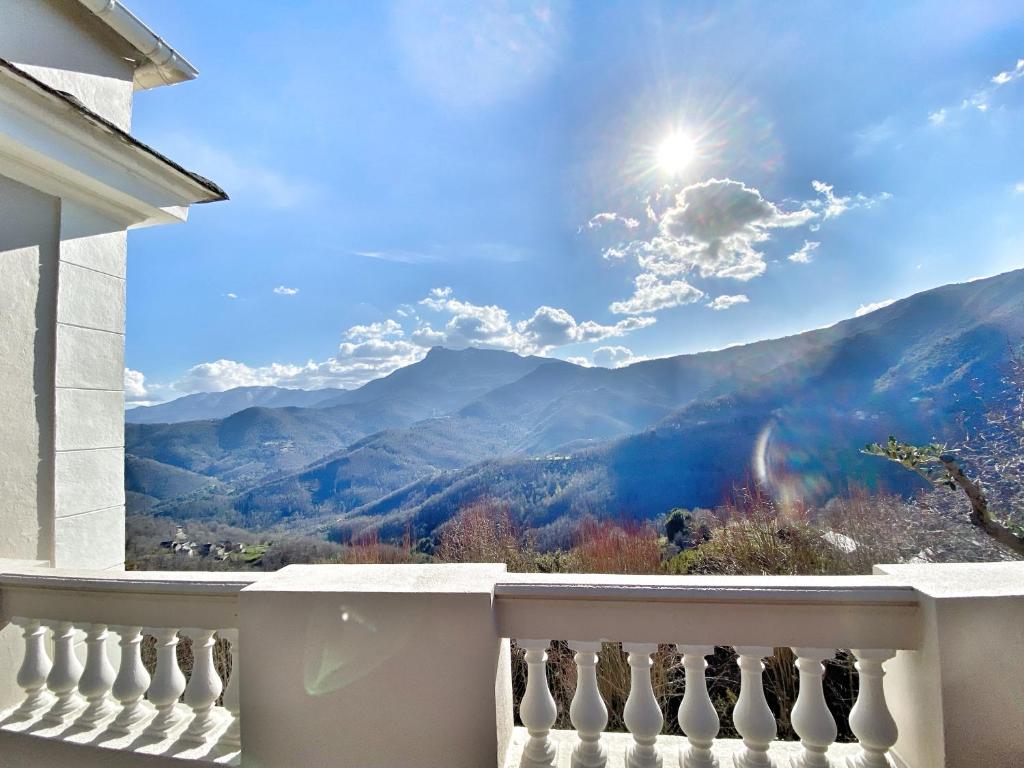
x=600, y=182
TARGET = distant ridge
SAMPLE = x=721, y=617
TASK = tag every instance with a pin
x=555, y=440
x=218, y=405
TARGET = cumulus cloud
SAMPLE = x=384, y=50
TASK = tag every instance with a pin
x=725, y=302
x=938, y=117
x=354, y=364
x=601, y=219
x=864, y=309
x=371, y=350
x=715, y=229
x=231, y=295
x=381, y=330
x=615, y=357
x=283, y=290
x=806, y=253
x=651, y=294
x=135, y=386
x=471, y=324
x=1018, y=188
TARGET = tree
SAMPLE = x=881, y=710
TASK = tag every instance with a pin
x=940, y=467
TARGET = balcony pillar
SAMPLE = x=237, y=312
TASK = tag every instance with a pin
x=374, y=665
x=952, y=695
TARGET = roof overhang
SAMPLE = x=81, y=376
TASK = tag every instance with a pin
x=51, y=142
x=162, y=64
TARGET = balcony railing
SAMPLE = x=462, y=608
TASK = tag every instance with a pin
x=410, y=666
x=82, y=672
x=815, y=617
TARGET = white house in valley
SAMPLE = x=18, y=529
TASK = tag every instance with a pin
x=372, y=666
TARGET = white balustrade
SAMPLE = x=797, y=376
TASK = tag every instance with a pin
x=697, y=716
x=588, y=713
x=870, y=719
x=203, y=687
x=167, y=685
x=232, y=734
x=537, y=710
x=752, y=716
x=131, y=683
x=811, y=718
x=97, y=678
x=35, y=666
x=642, y=715
x=64, y=675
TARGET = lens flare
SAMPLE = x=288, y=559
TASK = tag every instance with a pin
x=675, y=152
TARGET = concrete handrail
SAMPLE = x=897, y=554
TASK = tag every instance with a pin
x=837, y=612
x=186, y=598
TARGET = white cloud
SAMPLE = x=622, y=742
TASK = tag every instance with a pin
x=231, y=295
x=385, y=329
x=490, y=326
x=651, y=294
x=716, y=229
x=1009, y=75
x=369, y=351
x=806, y=253
x=1018, y=188
x=601, y=219
x=832, y=205
x=134, y=386
x=981, y=100
x=615, y=357
x=864, y=309
x=354, y=364
x=725, y=302
x=938, y=117
x=283, y=290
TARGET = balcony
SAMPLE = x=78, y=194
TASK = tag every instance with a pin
x=411, y=666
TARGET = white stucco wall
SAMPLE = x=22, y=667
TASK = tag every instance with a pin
x=88, y=521
x=62, y=44
x=61, y=377
x=29, y=231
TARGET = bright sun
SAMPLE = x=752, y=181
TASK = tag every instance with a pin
x=675, y=152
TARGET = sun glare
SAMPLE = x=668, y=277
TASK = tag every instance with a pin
x=675, y=152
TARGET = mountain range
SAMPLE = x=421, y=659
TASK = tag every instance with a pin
x=555, y=440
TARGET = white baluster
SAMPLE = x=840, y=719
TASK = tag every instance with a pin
x=697, y=716
x=97, y=678
x=35, y=666
x=131, y=682
x=537, y=710
x=587, y=712
x=752, y=716
x=203, y=688
x=233, y=734
x=811, y=718
x=642, y=714
x=167, y=685
x=870, y=719
x=64, y=674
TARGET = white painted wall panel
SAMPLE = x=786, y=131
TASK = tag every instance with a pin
x=88, y=418
x=89, y=480
x=90, y=299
